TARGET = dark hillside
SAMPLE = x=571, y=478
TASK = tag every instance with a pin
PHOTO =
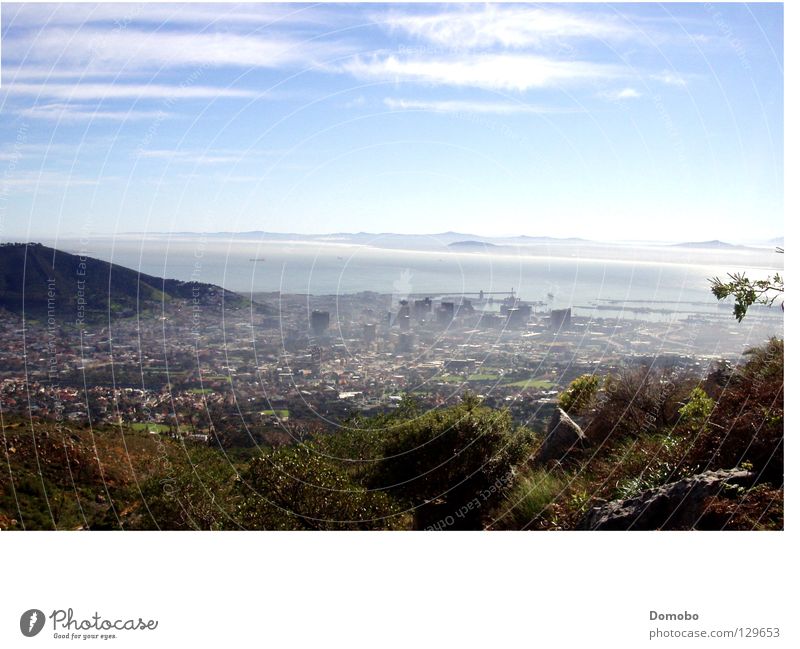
x=42, y=282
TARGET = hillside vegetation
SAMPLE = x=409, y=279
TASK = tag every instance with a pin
x=42, y=282
x=463, y=467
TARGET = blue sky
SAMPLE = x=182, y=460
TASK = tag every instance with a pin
x=604, y=121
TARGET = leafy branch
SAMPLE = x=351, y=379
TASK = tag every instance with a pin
x=747, y=292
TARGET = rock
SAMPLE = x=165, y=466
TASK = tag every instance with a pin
x=675, y=506
x=563, y=436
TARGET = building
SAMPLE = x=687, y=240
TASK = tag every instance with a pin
x=405, y=343
x=463, y=365
x=445, y=313
x=320, y=320
x=423, y=308
x=560, y=319
x=518, y=316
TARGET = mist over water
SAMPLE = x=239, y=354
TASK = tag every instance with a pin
x=654, y=283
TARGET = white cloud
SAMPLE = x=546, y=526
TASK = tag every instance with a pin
x=72, y=112
x=126, y=49
x=670, y=78
x=510, y=26
x=41, y=180
x=481, y=107
x=490, y=71
x=119, y=14
x=194, y=157
x=620, y=95
x=94, y=91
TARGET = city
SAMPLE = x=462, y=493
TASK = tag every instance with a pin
x=301, y=363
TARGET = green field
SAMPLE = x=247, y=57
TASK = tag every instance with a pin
x=483, y=377
x=159, y=428
x=454, y=378
x=534, y=383
x=282, y=413
x=200, y=391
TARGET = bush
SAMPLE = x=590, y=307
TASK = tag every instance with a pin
x=296, y=488
x=580, y=394
x=530, y=500
x=696, y=412
x=747, y=424
x=194, y=492
x=637, y=402
x=452, y=465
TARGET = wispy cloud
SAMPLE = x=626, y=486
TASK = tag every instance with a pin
x=509, y=26
x=34, y=14
x=670, y=78
x=480, y=107
x=43, y=180
x=506, y=71
x=620, y=95
x=72, y=112
x=110, y=90
x=127, y=49
x=194, y=157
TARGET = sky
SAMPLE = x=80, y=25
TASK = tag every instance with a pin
x=601, y=121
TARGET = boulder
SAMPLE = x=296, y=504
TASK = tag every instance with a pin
x=563, y=436
x=675, y=506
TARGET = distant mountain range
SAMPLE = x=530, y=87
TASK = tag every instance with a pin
x=387, y=239
x=457, y=240
x=42, y=282
x=470, y=245
x=715, y=244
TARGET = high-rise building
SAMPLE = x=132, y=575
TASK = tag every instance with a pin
x=445, y=312
x=422, y=308
x=560, y=319
x=405, y=343
x=519, y=315
x=320, y=320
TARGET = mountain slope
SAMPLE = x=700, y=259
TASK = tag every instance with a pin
x=40, y=282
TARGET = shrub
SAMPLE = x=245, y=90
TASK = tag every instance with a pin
x=296, y=488
x=747, y=423
x=452, y=464
x=580, y=394
x=195, y=492
x=529, y=501
x=697, y=410
x=635, y=402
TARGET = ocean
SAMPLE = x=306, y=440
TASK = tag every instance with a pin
x=644, y=282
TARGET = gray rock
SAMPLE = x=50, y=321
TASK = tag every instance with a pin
x=675, y=506
x=563, y=436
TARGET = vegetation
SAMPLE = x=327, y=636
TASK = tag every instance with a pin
x=297, y=488
x=580, y=394
x=43, y=282
x=747, y=292
x=463, y=467
x=452, y=465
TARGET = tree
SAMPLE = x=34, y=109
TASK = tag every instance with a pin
x=747, y=292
